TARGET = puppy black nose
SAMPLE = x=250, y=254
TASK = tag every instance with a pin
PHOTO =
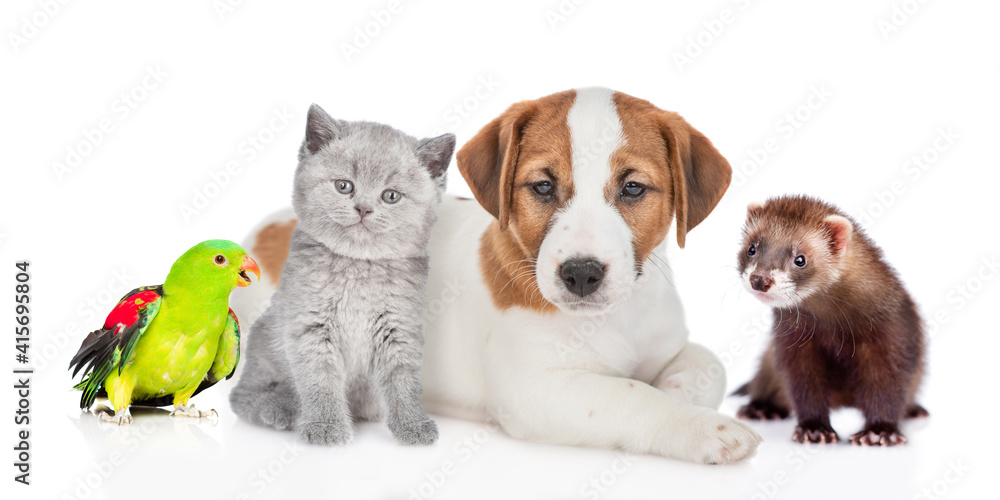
x=582, y=276
x=760, y=282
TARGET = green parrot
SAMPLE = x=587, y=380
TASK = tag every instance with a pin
x=163, y=344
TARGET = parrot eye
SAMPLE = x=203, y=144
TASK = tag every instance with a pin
x=391, y=196
x=344, y=186
x=220, y=259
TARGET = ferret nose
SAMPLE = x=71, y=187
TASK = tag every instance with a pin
x=760, y=282
x=582, y=276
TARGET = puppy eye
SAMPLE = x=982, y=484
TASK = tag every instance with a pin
x=752, y=250
x=545, y=189
x=391, y=196
x=633, y=190
x=344, y=186
x=220, y=259
x=800, y=261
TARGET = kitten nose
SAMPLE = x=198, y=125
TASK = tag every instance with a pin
x=582, y=276
x=760, y=282
x=363, y=210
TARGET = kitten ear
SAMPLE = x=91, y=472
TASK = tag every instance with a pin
x=435, y=153
x=320, y=130
x=839, y=230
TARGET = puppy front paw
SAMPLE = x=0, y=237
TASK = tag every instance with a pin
x=718, y=439
x=814, y=431
x=325, y=433
x=423, y=432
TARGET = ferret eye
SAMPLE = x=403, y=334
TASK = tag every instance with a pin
x=800, y=261
x=344, y=186
x=220, y=259
x=544, y=189
x=752, y=250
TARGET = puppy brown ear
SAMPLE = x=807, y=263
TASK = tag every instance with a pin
x=839, y=231
x=700, y=173
x=488, y=160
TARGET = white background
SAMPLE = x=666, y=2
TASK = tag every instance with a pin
x=115, y=219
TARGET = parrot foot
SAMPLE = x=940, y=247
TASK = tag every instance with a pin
x=119, y=418
x=191, y=411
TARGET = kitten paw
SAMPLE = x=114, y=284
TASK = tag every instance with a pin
x=879, y=435
x=815, y=432
x=278, y=415
x=762, y=410
x=265, y=408
x=424, y=432
x=917, y=411
x=325, y=433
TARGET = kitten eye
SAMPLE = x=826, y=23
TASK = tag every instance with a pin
x=545, y=189
x=391, y=196
x=752, y=250
x=800, y=261
x=633, y=190
x=220, y=259
x=343, y=186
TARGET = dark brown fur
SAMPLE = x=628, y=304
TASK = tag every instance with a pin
x=855, y=339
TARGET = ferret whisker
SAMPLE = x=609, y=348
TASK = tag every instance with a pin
x=850, y=325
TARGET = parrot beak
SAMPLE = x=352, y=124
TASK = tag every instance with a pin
x=248, y=265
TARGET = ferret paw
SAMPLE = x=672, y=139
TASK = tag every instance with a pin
x=879, y=435
x=917, y=411
x=762, y=410
x=814, y=432
x=325, y=433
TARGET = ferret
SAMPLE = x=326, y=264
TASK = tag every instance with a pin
x=845, y=331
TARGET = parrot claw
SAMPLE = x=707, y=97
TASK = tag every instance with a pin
x=191, y=411
x=124, y=419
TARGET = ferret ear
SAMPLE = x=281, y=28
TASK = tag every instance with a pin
x=321, y=129
x=839, y=231
x=701, y=175
x=754, y=208
x=435, y=153
x=487, y=161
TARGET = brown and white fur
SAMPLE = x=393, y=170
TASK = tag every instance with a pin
x=846, y=332
x=550, y=311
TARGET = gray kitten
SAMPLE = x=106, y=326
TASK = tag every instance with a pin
x=343, y=336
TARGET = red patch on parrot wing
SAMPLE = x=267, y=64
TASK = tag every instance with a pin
x=130, y=307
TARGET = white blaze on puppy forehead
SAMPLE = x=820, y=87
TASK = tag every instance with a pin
x=595, y=134
x=588, y=227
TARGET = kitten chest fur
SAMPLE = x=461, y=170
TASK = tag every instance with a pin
x=357, y=308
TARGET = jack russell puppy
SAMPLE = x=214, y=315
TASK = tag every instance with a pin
x=550, y=308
